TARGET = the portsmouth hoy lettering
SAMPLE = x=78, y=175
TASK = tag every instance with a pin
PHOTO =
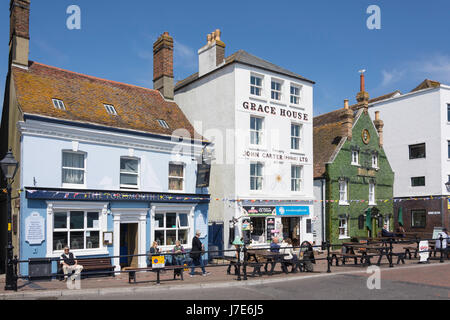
x=273, y=111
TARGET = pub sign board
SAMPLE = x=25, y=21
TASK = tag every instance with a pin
x=203, y=174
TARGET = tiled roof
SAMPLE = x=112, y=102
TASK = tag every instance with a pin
x=244, y=57
x=84, y=98
x=386, y=96
x=427, y=84
x=327, y=136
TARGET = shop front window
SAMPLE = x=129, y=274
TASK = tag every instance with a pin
x=170, y=227
x=80, y=230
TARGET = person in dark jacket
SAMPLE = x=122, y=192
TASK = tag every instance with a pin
x=196, y=254
x=386, y=234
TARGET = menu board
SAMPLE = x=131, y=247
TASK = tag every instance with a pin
x=270, y=228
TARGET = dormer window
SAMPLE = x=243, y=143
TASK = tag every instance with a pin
x=110, y=109
x=58, y=104
x=163, y=124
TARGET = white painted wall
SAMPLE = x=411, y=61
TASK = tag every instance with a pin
x=419, y=117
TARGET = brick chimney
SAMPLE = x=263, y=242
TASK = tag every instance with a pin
x=379, y=125
x=363, y=97
x=163, y=65
x=212, y=54
x=347, y=121
x=19, y=33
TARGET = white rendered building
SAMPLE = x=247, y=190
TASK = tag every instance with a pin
x=417, y=143
x=259, y=117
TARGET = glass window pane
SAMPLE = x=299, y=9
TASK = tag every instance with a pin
x=159, y=219
x=129, y=165
x=73, y=160
x=128, y=179
x=76, y=220
x=76, y=240
x=60, y=220
x=183, y=236
x=159, y=237
x=176, y=170
x=171, y=237
x=93, y=240
x=175, y=184
x=73, y=176
x=171, y=220
x=59, y=240
x=183, y=220
x=92, y=220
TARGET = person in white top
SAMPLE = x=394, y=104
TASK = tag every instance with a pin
x=445, y=239
x=70, y=264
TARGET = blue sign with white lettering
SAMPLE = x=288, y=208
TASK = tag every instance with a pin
x=293, y=211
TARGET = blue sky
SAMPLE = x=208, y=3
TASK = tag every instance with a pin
x=326, y=41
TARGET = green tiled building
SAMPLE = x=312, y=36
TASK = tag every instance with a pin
x=352, y=167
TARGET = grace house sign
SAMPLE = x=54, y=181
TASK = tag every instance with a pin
x=275, y=111
x=34, y=229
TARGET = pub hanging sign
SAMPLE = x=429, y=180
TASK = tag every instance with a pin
x=203, y=174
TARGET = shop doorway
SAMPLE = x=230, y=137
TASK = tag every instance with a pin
x=291, y=229
x=129, y=244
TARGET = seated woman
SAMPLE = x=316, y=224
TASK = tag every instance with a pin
x=178, y=258
x=287, y=248
x=153, y=250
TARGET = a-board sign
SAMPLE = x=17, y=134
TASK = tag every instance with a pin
x=158, y=262
x=424, y=253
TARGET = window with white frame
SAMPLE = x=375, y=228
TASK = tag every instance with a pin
x=375, y=161
x=176, y=177
x=295, y=94
x=343, y=192
x=276, y=90
x=256, y=176
x=110, y=109
x=296, y=130
x=73, y=168
x=355, y=157
x=296, y=178
x=343, y=227
x=372, y=193
x=80, y=230
x=256, y=130
x=129, y=173
x=255, y=85
x=59, y=104
x=170, y=227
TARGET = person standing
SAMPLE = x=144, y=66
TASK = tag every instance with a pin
x=70, y=264
x=196, y=254
x=444, y=243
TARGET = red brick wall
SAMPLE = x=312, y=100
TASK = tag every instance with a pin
x=163, y=57
x=20, y=17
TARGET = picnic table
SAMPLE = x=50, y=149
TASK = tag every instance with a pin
x=266, y=257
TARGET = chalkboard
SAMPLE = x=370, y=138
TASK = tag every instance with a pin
x=270, y=228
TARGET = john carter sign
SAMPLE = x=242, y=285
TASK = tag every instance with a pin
x=275, y=111
x=275, y=156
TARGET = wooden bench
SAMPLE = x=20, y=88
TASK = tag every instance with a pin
x=93, y=265
x=410, y=249
x=177, y=271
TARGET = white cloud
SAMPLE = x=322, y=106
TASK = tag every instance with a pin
x=391, y=77
x=436, y=67
x=184, y=55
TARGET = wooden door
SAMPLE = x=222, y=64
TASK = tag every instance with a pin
x=133, y=244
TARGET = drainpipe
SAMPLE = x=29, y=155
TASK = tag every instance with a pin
x=323, y=210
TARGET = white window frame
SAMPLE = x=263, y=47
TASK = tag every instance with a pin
x=110, y=109
x=299, y=137
x=72, y=185
x=255, y=86
x=343, y=225
x=275, y=91
x=375, y=161
x=294, y=96
x=372, y=199
x=165, y=228
x=182, y=164
x=355, y=163
x=256, y=177
x=343, y=192
x=59, y=104
x=128, y=186
x=65, y=206
x=298, y=180
x=258, y=133
x=173, y=208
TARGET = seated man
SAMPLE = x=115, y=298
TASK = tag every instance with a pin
x=274, y=246
x=69, y=264
x=386, y=234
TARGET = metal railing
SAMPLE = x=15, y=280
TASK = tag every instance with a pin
x=239, y=258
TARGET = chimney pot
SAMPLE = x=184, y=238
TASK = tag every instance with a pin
x=346, y=105
x=163, y=65
x=19, y=35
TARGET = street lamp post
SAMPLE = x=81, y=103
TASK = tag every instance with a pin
x=9, y=167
